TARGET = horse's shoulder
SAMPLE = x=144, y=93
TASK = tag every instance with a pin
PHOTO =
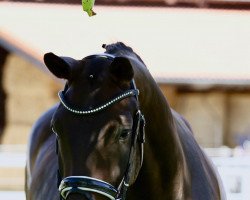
x=201, y=168
x=40, y=133
x=186, y=136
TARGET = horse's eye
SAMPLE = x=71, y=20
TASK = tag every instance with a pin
x=124, y=134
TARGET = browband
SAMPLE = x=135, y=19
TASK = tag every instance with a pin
x=129, y=93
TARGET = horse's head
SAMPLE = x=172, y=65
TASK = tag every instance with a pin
x=98, y=126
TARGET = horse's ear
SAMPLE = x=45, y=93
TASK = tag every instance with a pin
x=122, y=70
x=61, y=67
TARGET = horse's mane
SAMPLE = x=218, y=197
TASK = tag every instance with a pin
x=120, y=49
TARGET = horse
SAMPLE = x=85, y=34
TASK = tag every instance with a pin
x=114, y=136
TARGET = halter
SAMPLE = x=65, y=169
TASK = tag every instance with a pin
x=83, y=184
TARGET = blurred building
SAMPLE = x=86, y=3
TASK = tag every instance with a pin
x=199, y=58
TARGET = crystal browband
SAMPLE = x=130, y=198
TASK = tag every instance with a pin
x=129, y=93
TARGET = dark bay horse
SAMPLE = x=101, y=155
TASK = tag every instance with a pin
x=90, y=146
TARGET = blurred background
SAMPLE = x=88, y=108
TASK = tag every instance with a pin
x=197, y=50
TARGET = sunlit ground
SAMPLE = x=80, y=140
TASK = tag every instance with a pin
x=12, y=162
x=12, y=195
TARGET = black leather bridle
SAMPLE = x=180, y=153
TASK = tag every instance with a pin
x=84, y=184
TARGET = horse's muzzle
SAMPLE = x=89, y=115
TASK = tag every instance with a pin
x=85, y=185
x=79, y=196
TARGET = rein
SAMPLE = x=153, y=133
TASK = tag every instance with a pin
x=85, y=184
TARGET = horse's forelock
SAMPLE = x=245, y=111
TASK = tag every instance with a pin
x=120, y=49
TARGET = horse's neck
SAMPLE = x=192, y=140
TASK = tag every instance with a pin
x=164, y=163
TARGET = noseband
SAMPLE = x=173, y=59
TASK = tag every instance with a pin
x=82, y=184
x=85, y=184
